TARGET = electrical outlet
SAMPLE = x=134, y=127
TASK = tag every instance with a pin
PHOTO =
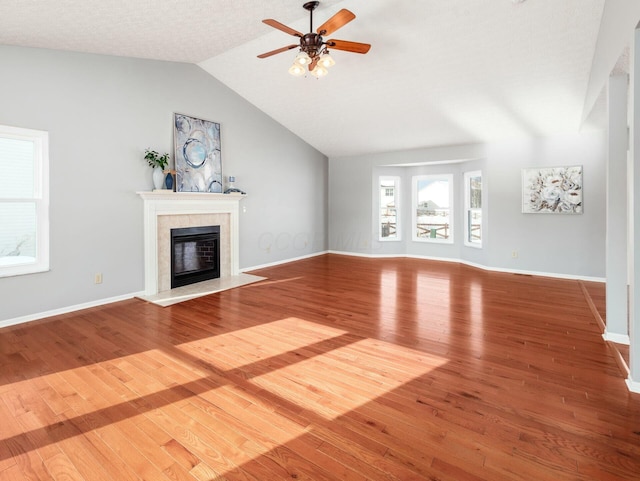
x=514, y=254
x=98, y=278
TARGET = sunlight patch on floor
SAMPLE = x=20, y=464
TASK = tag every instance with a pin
x=259, y=344
x=339, y=381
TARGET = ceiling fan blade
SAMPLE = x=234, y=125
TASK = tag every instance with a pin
x=279, y=50
x=355, y=47
x=340, y=19
x=313, y=63
x=280, y=26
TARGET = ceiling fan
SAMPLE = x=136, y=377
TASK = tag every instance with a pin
x=314, y=51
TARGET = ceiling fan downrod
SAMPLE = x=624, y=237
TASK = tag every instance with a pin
x=310, y=6
x=311, y=43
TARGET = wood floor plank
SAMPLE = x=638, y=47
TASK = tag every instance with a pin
x=333, y=368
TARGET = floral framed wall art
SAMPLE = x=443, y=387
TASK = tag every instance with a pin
x=198, y=154
x=552, y=190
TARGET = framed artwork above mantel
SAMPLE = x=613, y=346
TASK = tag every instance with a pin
x=198, y=154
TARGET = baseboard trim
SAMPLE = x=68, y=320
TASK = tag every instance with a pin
x=285, y=261
x=361, y=254
x=609, y=341
x=473, y=264
x=633, y=385
x=617, y=338
x=65, y=310
x=100, y=302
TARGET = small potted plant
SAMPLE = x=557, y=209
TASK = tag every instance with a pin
x=158, y=163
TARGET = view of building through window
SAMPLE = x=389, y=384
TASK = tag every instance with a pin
x=433, y=208
x=389, y=194
x=473, y=207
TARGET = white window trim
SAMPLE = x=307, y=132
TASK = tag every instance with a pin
x=414, y=208
x=41, y=198
x=398, y=237
x=467, y=209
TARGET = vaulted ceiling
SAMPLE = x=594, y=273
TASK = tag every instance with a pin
x=439, y=72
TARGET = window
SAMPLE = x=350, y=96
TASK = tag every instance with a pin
x=473, y=208
x=389, y=195
x=433, y=208
x=24, y=201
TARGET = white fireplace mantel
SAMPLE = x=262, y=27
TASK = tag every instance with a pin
x=165, y=202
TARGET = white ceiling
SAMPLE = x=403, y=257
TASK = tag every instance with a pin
x=439, y=72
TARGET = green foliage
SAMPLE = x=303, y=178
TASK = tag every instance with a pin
x=154, y=159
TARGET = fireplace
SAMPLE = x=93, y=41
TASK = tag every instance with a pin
x=165, y=210
x=195, y=255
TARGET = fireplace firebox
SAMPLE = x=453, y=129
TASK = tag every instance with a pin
x=195, y=255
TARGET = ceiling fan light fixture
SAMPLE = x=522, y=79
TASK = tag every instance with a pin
x=297, y=70
x=302, y=59
x=319, y=71
x=327, y=60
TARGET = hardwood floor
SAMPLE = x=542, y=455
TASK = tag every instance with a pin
x=334, y=368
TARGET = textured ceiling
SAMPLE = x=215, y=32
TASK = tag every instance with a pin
x=439, y=71
x=182, y=31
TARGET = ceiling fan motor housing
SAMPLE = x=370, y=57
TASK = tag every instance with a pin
x=311, y=43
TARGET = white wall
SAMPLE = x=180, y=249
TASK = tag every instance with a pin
x=548, y=243
x=101, y=113
x=564, y=245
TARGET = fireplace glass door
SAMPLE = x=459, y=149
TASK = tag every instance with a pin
x=195, y=255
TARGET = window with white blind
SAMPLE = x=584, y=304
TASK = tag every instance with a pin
x=24, y=201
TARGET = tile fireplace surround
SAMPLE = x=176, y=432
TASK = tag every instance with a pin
x=164, y=210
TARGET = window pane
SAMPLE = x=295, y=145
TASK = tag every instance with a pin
x=475, y=192
x=24, y=201
x=388, y=209
x=473, y=209
x=433, y=209
x=474, y=225
x=16, y=157
x=17, y=232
